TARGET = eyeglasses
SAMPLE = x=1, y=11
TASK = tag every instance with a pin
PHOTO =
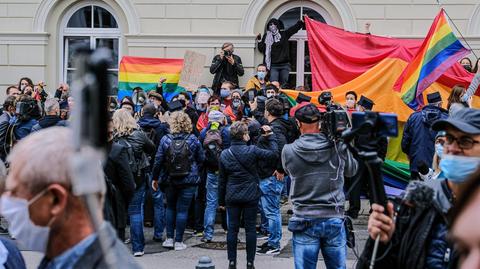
x=464, y=142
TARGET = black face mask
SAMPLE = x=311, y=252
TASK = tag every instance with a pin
x=468, y=67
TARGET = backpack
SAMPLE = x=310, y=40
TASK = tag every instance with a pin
x=151, y=134
x=292, y=132
x=178, y=163
x=132, y=159
x=213, y=145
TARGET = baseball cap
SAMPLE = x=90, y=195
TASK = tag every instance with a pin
x=466, y=120
x=306, y=112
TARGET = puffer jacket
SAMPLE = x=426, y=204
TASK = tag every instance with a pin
x=148, y=122
x=197, y=157
x=418, y=140
x=234, y=175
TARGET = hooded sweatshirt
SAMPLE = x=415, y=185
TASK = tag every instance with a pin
x=317, y=168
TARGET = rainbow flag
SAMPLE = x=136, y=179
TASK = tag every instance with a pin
x=146, y=72
x=439, y=51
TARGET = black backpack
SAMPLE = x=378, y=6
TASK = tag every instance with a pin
x=213, y=146
x=151, y=134
x=178, y=163
x=133, y=161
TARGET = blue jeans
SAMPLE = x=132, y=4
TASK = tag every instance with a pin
x=135, y=212
x=286, y=186
x=178, y=202
x=280, y=73
x=271, y=192
x=327, y=235
x=212, y=204
x=158, y=211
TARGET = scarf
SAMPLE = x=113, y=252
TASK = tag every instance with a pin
x=272, y=37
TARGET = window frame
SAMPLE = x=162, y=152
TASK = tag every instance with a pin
x=301, y=36
x=92, y=33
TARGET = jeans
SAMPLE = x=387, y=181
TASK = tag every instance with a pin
x=263, y=218
x=212, y=204
x=327, y=235
x=158, y=212
x=271, y=192
x=135, y=212
x=178, y=201
x=280, y=73
x=234, y=214
x=286, y=186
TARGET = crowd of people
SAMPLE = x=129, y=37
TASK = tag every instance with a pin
x=232, y=153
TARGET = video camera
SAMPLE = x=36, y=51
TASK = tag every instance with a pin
x=25, y=109
x=335, y=119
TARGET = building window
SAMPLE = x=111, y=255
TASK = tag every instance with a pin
x=93, y=26
x=289, y=14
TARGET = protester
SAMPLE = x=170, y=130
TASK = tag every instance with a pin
x=475, y=69
x=52, y=116
x=43, y=213
x=417, y=236
x=215, y=138
x=226, y=94
x=128, y=105
x=157, y=100
x=350, y=103
x=119, y=174
x=128, y=134
x=418, y=140
x=317, y=169
x=212, y=104
x=472, y=88
x=259, y=81
x=23, y=83
x=455, y=97
x=466, y=63
x=201, y=100
x=276, y=48
x=235, y=110
x=226, y=66
x=238, y=187
x=435, y=171
x=12, y=91
x=7, y=114
x=271, y=91
x=184, y=98
x=176, y=171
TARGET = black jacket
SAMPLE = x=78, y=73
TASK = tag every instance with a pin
x=234, y=176
x=280, y=52
x=224, y=71
x=120, y=175
x=143, y=147
x=49, y=121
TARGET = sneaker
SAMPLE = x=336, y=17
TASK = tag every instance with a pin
x=138, y=254
x=205, y=240
x=262, y=236
x=232, y=265
x=198, y=234
x=264, y=245
x=268, y=250
x=180, y=246
x=250, y=265
x=168, y=243
x=127, y=241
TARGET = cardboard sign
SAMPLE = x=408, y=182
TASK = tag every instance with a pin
x=192, y=70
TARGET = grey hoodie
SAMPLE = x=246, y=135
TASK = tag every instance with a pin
x=317, y=167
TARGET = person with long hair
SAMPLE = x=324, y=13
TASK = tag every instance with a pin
x=129, y=134
x=24, y=82
x=176, y=172
x=466, y=63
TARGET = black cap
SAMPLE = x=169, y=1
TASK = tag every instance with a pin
x=175, y=106
x=302, y=98
x=307, y=113
x=434, y=98
x=365, y=102
x=466, y=120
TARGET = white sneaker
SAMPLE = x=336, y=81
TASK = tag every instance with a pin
x=180, y=246
x=138, y=254
x=168, y=243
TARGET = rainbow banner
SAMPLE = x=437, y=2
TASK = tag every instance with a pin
x=146, y=72
x=438, y=52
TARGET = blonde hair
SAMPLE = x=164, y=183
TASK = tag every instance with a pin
x=123, y=122
x=179, y=123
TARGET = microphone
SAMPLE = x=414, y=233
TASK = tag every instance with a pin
x=423, y=168
x=418, y=194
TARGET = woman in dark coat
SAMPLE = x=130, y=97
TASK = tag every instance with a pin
x=238, y=188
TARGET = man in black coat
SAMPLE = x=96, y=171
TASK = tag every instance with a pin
x=52, y=116
x=226, y=66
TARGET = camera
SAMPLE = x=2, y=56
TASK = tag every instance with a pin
x=335, y=119
x=24, y=110
x=227, y=53
x=381, y=124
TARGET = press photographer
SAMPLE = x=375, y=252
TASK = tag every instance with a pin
x=226, y=66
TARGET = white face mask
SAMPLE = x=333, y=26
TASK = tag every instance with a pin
x=29, y=235
x=350, y=103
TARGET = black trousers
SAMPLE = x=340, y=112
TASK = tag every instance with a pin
x=234, y=212
x=358, y=183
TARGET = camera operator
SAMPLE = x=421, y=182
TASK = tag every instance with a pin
x=415, y=234
x=316, y=166
x=26, y=114
x=226, y=66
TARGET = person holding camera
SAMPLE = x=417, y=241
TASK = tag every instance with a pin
x=238, y=189
x=317, y=166
x=226, y=66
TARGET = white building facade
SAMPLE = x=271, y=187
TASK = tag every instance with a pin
x=37, y=37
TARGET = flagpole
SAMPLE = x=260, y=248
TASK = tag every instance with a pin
x=458, y=30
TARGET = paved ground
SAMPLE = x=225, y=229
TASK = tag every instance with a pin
x=157, y=257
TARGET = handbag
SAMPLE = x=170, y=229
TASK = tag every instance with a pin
x=243, y=195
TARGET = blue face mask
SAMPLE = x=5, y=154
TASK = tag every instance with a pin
x=261, y=75
x=224, y=93
x=458, y=168
x=439, y=150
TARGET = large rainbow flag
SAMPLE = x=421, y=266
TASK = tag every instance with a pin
x=439, y=51
x=146, y=72
x=370, y=65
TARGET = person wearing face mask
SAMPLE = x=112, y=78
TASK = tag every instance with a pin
x=235, y=110
x=418, y=136
x=23, y=83
x=426, y=246
x=201, y=100
x=350, y=103
x=276, y=49
x=52, y=116
x=43, y=213
x=226, y=66
x=259, y=81
x=184, y=98
x=212, y=104
x=466, y=63
x=434, y=172
x=238, y=190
